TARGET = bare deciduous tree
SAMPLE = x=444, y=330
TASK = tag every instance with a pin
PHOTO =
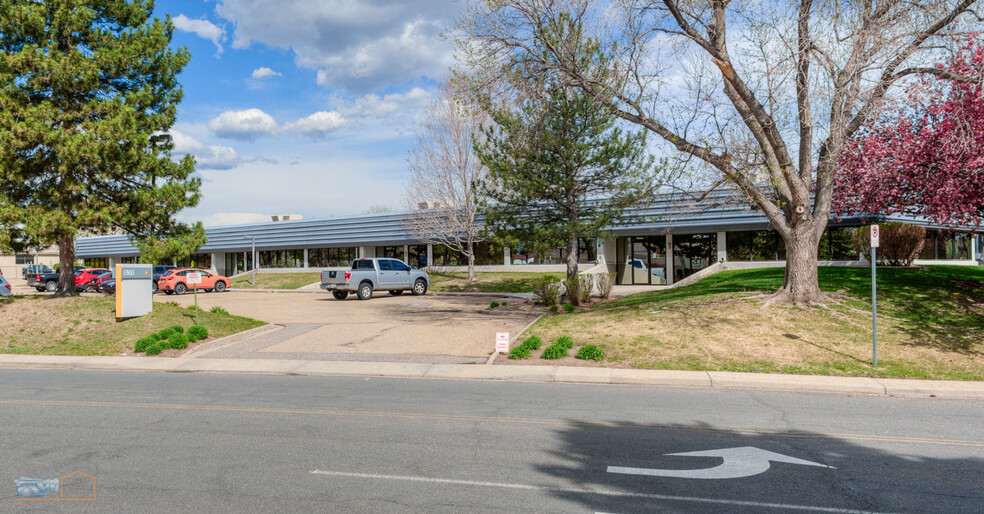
x=444, y=169
x=762, y=94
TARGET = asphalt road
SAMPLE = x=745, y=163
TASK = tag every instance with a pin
x=253, y=443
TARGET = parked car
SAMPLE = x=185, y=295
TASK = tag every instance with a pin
x=46, y=281
x=367, y=275
x=83, y=280
x=108, y=287
x=35, y=269
x=175, y=281
x=160, y=271
x=96, y=283
x=5, y=289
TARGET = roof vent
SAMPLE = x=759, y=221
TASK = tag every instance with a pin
x=287, y=217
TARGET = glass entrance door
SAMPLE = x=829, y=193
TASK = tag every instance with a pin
x=641, y=260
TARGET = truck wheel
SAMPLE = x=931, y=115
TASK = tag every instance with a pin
x=220, y=286
x=419, y=287
x=365, y=291
x=180, y=288
x=396, y=292
x=51, y=286
x=340, y=295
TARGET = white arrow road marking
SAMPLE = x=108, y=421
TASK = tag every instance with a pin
x=588, y=490
x=739, y=462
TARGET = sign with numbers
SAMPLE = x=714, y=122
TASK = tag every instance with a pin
x=875, y=235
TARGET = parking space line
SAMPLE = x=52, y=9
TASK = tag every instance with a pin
x=575, y=490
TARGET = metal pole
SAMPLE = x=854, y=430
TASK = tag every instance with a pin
x=253, y=281
x=874, y=307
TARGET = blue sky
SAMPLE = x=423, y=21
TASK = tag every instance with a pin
x=304, y=106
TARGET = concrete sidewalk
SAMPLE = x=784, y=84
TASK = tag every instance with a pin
x=557, y=374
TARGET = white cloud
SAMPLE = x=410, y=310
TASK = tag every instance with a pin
x=376, y=106
x=318, y=124
x=246, y=124
x=201, y=28
x=206, y=156
x=225, y=218
x=361, y=46
x=264, y=72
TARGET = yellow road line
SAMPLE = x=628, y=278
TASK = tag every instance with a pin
x=497, y=419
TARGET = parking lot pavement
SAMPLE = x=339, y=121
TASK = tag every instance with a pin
x=444, y=328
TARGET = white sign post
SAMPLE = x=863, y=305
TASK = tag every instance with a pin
x=875, y=236
x=194, y=278
x=502, y=342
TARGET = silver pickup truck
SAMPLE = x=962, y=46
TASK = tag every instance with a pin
x=367, y=275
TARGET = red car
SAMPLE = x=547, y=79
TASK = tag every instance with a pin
x=175, y=281
x=83, y=280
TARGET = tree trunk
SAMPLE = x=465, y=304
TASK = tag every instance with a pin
x=572, y=256
x=801, y=285
x=66, y=271
x=471, y=261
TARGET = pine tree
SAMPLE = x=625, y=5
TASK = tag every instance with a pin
x=87, y=93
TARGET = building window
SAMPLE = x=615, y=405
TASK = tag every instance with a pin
x=587, y=251
x=528, y=256
x=417, y=256
x=758, y=245
x=331, y=257
x=281, y=258
x=196, y=260
x=640, y=260
x=692, y=253
x=97, y=262
x=128, y=260
x=445, y=256
x=23, y=258
x=836, y=245
x=946, y=245
x=390, y=252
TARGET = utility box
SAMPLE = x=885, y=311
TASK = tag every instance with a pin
x=134, y=290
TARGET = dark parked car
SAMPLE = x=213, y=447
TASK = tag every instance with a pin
x=35, y=269
x=96, y=283
x=108, y=287
x=160, y=271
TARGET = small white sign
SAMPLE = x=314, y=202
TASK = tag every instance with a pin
x=194, y=278
x=502, y=342
x=875, y=235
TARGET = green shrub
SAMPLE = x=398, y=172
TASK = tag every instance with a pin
x=142, y=343
x=553, y=309
x=532, y=342
x=155, y=349
x=590, y=353
x=218, y=310
x=555, y=352
x=177, y=328
x=178, y=341
x=504, y=304
x=493, y=305
x=197, y=332
x=586, y=286
x=565, y=341
x=519, y=352
x=164, y=334
x=605, y=282
x=569, y=308
x=545, y=290
x=572, y=289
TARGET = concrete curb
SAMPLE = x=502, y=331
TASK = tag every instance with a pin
x=555, y=374
x=222, y=342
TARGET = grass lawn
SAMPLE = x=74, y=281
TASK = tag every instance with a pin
x=276, y=280
x=87, y=325
x=489, y=281
x=930, y=325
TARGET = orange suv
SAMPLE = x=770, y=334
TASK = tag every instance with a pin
x=175, y=281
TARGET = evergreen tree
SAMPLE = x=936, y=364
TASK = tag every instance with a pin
x=87, y=92
x=559, y=168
